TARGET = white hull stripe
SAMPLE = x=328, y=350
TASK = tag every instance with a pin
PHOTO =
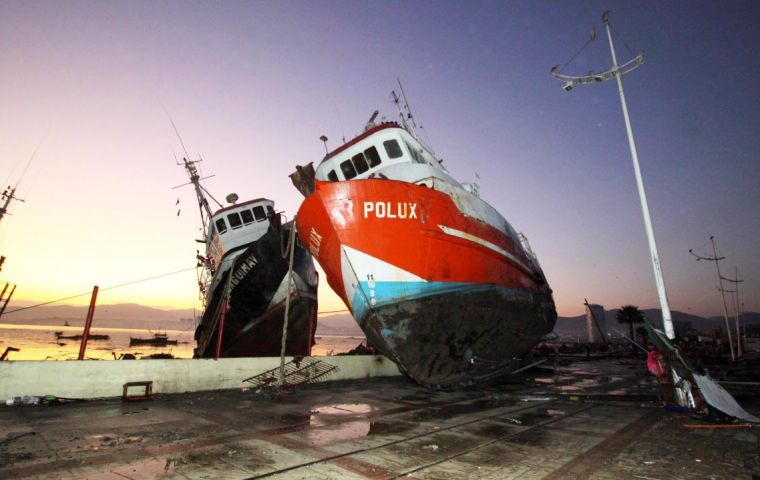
x=491, y=246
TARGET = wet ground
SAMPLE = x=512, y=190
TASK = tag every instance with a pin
x=593, y=420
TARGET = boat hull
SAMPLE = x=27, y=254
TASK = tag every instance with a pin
x=452, y=299
x=257, y=286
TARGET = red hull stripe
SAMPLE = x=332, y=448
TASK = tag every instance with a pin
x=416, y=229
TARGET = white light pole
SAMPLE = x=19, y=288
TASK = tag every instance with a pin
x=617, y=73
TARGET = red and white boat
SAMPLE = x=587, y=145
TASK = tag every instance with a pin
x=437, y=279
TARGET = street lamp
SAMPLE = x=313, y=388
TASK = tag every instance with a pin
x=617, y=72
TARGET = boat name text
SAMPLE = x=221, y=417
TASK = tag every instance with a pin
x=402, y=210
x=242, y=271
x=315, y=241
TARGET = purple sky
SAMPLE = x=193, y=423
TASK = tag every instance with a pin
x=252, y=86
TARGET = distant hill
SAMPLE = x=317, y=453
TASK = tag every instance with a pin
x=128, y=315
x=576, y=326
x=340, y=324
x=131, y=315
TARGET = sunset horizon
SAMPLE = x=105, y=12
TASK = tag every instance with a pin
x=98, y=88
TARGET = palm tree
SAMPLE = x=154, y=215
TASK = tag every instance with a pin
x=630, y=314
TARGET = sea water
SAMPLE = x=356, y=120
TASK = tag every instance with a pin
x=39, y=342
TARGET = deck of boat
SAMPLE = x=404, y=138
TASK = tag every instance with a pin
x=588, y=420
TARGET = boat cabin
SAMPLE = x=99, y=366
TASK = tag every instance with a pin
x=238, y=225
x=379, y=152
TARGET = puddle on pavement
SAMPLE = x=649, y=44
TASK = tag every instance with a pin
x=327, y=414
x=344, y=409
x=608, y=379
x=325, y=425
x=344, y=431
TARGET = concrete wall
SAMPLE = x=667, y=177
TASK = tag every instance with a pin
x=98, y=379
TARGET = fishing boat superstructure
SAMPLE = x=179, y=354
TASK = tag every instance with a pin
x=436, y=278
x=244, y=281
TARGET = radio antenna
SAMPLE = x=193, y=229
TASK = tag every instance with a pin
x=179, y=137
x=407, y=109
x=10, y=192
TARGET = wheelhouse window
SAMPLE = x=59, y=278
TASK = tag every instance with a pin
x=416, y=156
x=221, y=226
x=392, y=148
x=348, y=170
x=270, y=210
x=360, y=163
x=258, y=212
x=247, y=216
x=332, y=176
x=372, y=157
x=234, y=219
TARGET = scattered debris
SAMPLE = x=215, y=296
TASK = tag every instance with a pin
x=360, y=349
x=24, y=400
x=296, y=372
x=535, y=399
x=686, y=375
x=8, y=350
x=147, y=394
x=719, y=425
x=174, y=462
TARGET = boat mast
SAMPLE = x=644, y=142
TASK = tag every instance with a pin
x=200, y=192
x=8, y=195
x=10, y=192
x=195, y=179
x=405, y=113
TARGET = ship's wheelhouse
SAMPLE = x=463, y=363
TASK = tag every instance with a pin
x=375, y=152
x=238, y=225
x=390, y=151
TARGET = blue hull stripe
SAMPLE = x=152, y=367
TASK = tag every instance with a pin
x=379, y=294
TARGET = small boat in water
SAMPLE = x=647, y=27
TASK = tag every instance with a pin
x=436, y=278
x=93, y=336
x=244, y=281
x=158, y=340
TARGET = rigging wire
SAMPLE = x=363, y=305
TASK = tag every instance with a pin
x=133, y=282
x=701, y=247
x=618, y=36
x=332, y=311
x=576, y=54
x=187, y=155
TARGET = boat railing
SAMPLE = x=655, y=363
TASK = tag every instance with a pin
x=526, y=246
